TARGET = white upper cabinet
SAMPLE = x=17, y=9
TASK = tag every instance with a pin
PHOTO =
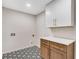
x=60, y=13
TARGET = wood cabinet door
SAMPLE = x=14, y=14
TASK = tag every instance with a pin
x=57, y=54
x=44, y=52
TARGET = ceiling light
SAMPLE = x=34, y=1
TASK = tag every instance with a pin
x=47, y=12
x=28, y=4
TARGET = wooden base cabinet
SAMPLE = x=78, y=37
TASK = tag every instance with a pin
x=52, y=50
x=56, y=54
x=45, y=52
x=44, y=49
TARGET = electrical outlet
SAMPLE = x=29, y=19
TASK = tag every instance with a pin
x=12, y=34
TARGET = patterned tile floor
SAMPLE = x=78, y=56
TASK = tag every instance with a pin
x=26, y=53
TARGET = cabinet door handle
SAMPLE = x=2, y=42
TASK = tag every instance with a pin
x=54, y=22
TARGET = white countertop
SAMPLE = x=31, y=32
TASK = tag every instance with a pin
x=59, y=40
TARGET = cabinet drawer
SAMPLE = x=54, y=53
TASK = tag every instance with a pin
x=58, y=46
x=43, y=41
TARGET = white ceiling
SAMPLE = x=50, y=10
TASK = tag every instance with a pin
x=37, y=6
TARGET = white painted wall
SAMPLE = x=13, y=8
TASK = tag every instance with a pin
x=42, y=30
x=21, y=24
